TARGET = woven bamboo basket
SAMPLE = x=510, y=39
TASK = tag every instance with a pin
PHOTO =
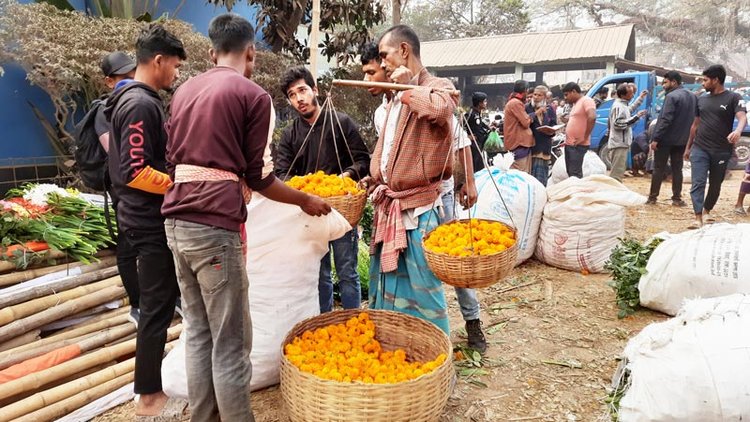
x=350, y=206
x=309, y=398
x=472, y=272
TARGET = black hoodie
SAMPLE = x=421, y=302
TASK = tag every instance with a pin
x=137, y=139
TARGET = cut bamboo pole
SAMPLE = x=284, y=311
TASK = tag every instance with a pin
x=62, y=284
x=31, y=307
x=55, y=313
x=6, y=266
x=62, y=392
x=22, y=340
x=86, y=343
x=18, y=397
x=387, y=85
x=77, y=401
x=116, y=317
x=36, y=380
x=26, y=275
x=314, y=36
x=84, y=317
x=48, y=399
x=94, y=320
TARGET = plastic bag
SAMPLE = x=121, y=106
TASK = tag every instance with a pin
x=494, y=143
x=710, y=262
x=582, y=221
x=523, y=195
x=280, y=294
x=691, y=368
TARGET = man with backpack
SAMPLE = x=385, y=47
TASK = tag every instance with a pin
x=137, y=166
x=92, y=146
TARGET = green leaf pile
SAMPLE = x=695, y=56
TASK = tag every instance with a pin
x=627, y=264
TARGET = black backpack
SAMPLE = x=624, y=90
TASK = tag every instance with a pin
x=89, y=154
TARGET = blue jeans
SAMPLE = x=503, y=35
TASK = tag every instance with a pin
x=345, y=257
x=467, y=298
x=213, y=280
x=711, y=166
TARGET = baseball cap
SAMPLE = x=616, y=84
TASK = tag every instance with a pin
x=117, y=63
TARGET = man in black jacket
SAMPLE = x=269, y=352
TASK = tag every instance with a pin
x=327, y=149
x=137, y=167
x=671, y=135
x=476, y=128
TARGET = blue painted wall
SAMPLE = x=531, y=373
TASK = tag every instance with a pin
x=22, y=135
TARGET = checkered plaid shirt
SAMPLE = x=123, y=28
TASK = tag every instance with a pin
x=422, y=149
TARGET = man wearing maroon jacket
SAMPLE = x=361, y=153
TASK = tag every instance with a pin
x=218, y=150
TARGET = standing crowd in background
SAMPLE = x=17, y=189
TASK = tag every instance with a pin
x=181, y=181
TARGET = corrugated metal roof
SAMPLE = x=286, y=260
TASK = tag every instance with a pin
x=528, y=48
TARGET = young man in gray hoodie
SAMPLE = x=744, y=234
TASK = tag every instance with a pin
x=621, y=128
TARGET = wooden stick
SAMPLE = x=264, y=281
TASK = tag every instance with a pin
x=20, y=341
x=507, y=289
x=85, y=342
x=37, y=380
x=31, y=307
x=55, y=313
x=54, y=402
x=65, y=283
x=388, y=85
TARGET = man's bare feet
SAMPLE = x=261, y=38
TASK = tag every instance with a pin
x=697, y=223
x=151, y=404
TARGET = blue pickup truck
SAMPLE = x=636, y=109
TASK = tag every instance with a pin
x=653, y=103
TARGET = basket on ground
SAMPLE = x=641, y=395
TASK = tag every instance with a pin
x=309, y=398
x=350, y=206
x=474, y=271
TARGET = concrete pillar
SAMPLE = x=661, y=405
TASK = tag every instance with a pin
x=539, y=77
x=610, y=67
x=519, y=72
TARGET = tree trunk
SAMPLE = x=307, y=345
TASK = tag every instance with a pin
x=396, y=12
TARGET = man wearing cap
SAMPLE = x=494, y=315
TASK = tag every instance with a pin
x=118, y=69
x=476, y=128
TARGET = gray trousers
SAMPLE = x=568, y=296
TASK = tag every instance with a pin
x=619, y=159
x=213, y=281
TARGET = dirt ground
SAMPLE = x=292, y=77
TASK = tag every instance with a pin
x=554, y=334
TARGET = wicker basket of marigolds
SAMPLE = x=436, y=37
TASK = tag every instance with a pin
x=341, y=193
x=372, y=365
x=471, y=253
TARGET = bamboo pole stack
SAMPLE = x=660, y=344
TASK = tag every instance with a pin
x=62, y=346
